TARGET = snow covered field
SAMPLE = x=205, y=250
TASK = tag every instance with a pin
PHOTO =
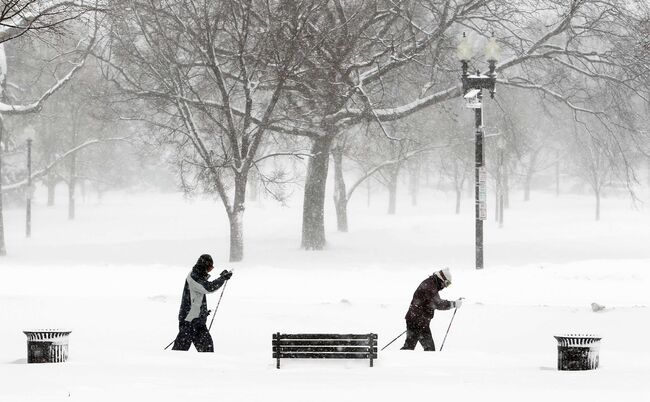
x=114, y=276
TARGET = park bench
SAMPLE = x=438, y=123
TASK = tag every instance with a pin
x=324, y=346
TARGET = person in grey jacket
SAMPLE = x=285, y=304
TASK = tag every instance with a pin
x=193, y=314
x=426, y=300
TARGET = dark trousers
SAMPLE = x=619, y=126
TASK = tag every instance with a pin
x=419, y=331
x=195, y=332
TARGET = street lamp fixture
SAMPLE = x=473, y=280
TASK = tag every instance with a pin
x=473, y=86
x=478, y=81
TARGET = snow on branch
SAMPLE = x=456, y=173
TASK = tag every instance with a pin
x=12, y=109
x=543, y=48
x=297, y=154
x=36, y=105
x=396, y=113
x=18, y=17
x=40, y=173
x=554, y=94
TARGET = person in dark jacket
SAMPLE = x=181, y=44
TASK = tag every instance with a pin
x=194, y=312
x=426, y=300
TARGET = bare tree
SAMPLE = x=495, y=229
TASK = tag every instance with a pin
x=364, y=47
x=457, y=166
x=376, y=158
x=592, y=163
x=211, y=75
x=31, y=18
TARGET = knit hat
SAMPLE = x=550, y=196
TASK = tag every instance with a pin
x=204, y=262
x=444, y=275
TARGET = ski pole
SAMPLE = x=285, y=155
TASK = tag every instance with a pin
x=398, y=336
x=447, y=333
x=219, y=302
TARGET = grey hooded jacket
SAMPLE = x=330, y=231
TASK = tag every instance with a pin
x=193, y=303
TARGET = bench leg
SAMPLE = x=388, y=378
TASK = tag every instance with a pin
x=371, y=345
x=277, y=340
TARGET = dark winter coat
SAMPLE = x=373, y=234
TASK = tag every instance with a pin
x=193, y=303
x=426, y=300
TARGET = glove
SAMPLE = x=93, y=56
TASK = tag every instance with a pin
x=226, y=274
x=458, y=303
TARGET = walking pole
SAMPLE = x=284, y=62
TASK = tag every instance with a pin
x=393, y=340
x=447, y=333
x=219, y=302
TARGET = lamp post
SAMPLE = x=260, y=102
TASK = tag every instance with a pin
x=473, y=86
x=28, y=210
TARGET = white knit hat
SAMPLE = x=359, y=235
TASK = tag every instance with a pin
x=444, y=274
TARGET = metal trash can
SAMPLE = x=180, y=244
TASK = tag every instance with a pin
x=577, y=351
x=47, y=345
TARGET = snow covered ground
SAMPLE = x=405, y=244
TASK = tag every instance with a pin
x=115, y=274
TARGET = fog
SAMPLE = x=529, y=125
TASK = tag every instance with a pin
x=297, y=141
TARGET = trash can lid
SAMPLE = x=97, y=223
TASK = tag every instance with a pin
x=36, y=334
x=57, y=330
x=577, y=336
x=578, y=340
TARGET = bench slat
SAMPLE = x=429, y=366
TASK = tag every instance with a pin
x=324, y=349
x=324, y=355
x=319, y=342
x=326, y=336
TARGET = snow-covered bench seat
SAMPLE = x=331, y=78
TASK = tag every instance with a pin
x=324, y=346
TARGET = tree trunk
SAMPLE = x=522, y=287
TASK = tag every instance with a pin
x=597, y=205
x=506, y=187
x=500, y=206
x=529, y=178
x=459, y=179
x=72, y=184
x=236, y=219
x=529, y=174
x=340, y=192
x=313, y=214
x=501, y=188
x=369, y=192
x=557, y=174
x=3, y=249
x=496, y=204
x=499, y=185
x=414, y=181
x=51, y=189
x=253, y=187
x=393, y=173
